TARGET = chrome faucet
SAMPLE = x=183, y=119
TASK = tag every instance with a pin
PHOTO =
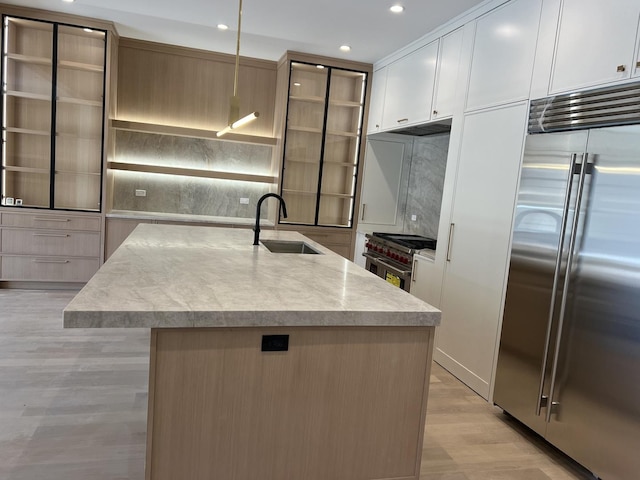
x=256, y=229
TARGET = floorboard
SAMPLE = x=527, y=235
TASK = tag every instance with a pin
x=73, y=407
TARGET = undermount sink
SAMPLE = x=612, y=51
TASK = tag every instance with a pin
x=282, y=246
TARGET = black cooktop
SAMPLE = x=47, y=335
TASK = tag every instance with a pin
x=415, y=242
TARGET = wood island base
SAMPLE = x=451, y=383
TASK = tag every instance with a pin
x=342, y=403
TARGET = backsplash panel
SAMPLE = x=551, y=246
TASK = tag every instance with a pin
x=183, y=194
x=426, y=182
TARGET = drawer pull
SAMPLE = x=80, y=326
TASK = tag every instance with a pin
x=57, y=235
x=40, y=219
x=621, y=68
x=402, y=120
x=44, y=260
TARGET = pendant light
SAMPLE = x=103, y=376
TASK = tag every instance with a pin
x=234, y=105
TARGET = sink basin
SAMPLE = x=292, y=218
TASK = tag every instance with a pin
x=282, y=246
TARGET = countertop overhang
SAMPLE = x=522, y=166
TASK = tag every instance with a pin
x=167, y=276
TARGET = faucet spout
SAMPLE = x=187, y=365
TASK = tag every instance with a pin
x=256, y=228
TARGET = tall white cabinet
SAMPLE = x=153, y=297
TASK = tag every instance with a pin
x=478, y=243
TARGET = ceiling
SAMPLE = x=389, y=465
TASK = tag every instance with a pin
x=271, y=27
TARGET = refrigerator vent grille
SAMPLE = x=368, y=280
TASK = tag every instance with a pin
x=602, y=107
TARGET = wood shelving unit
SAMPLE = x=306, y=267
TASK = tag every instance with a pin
x=322, y=144
x=53, y=162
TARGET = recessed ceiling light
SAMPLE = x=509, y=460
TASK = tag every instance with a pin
x=222, y=26
x=320, y=66
x=88, y=30
x=345, y=48
x=397, y=9
x=68, y=1
x=296, y=84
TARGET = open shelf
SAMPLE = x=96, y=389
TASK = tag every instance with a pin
x=298, y=192
x=189, y=132
x=191, y=172
x=31, y=96
x=26, y=169
x=86, y=67
x=80, y=101
x=299, y=98
x=345, y=103
x=294, y=128
x=27, y=131
x=29, y=59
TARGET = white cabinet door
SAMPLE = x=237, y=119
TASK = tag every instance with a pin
x=381, y=182
x=409, y=93
x=478, y=243
x=445, y=98
x=426, y=280
x=595, y=43
x=503, y=54
x=376, y=103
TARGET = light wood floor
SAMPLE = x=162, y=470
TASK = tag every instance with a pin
x=73, y=407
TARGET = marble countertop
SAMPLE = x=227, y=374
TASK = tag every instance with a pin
x=179, y=217
x=167, y=276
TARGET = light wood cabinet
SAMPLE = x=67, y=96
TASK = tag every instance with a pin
x=322, y=141
x=595, y=43
x=46, y=247
x=409, y=88
x=340, y=403
x=503, y=54
x=53, y=127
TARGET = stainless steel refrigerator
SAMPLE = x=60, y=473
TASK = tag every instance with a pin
x=569, y=359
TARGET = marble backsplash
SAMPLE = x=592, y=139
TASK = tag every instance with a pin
x=184, y=194
x=426, y=182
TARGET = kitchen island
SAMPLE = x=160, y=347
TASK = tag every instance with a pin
x=267, y=365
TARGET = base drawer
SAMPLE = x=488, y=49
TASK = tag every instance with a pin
x=46, y=220
x=50, y=242
x=51, y=269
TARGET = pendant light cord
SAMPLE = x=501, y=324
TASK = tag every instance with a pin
x=235, y=78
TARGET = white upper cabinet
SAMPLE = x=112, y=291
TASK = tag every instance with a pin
x=503, y=54
x=445, y=97
x=376, y=104
x=409, y=92
x=381, y=182
x=595, y=43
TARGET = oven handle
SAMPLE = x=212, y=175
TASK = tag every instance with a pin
x=378, y=260
x=370, y=257
x=403, y=273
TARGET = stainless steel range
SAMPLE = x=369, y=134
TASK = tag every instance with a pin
x=390, y=255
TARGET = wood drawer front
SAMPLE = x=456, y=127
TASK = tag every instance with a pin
x=329, y=238
x=54, y=269
x=58, y=222
x=50, y=242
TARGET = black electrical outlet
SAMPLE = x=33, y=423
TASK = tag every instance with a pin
x=275, y=343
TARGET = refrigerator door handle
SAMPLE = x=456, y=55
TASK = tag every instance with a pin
x=542, y=398
x=572, y=244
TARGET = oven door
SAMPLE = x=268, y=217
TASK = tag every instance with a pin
x=396, y=276
x=373, y=265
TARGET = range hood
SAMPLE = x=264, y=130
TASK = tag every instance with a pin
x=431, y=128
